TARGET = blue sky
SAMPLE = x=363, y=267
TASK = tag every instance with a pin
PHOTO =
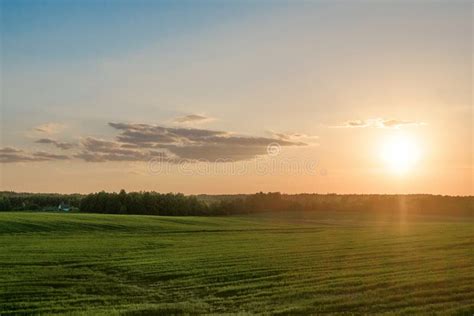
x=44, y=31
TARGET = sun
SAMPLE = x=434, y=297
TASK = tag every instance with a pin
x=400, y=153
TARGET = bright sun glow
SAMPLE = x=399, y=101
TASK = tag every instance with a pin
x=400, y=153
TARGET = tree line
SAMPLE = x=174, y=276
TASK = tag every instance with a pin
x=145, y=203
x=14, y=201
x=154, y=203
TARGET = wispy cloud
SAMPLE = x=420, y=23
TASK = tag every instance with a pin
x=49, y=128
x=100, y=150
x=378, y=123
x=11, y=155
x=193, y=119
x=400, y=123
x=293, y=136
x=58, y=144
x=153, y=135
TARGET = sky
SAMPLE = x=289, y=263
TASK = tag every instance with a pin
x=237, y=96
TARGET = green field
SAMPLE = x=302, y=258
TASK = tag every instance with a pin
x=301, y=263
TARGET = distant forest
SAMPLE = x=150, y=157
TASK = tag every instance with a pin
x=153, y=203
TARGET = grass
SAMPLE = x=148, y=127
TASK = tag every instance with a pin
x=300, y=263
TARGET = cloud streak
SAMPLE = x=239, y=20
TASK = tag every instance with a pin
x=293, y=136
x=49, y=128
x=193, y=118
x=378, y=123
x=58, y=144
x=12, y=155
x=100, y=150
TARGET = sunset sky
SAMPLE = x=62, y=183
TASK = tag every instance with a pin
x=313, y=96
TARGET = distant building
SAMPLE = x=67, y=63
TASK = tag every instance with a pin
x=64, y=207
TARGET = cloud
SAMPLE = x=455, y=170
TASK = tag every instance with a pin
x=378, y=123
x=12, y=155
x=99, y=150
x=399, y=123
x=355, y=123
x=58, y=144
x=49, y=128
x=151, y=135
x=143, y=142
x=217, y=152
x=193, y=118
x=293, y=136
x=193, y=143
